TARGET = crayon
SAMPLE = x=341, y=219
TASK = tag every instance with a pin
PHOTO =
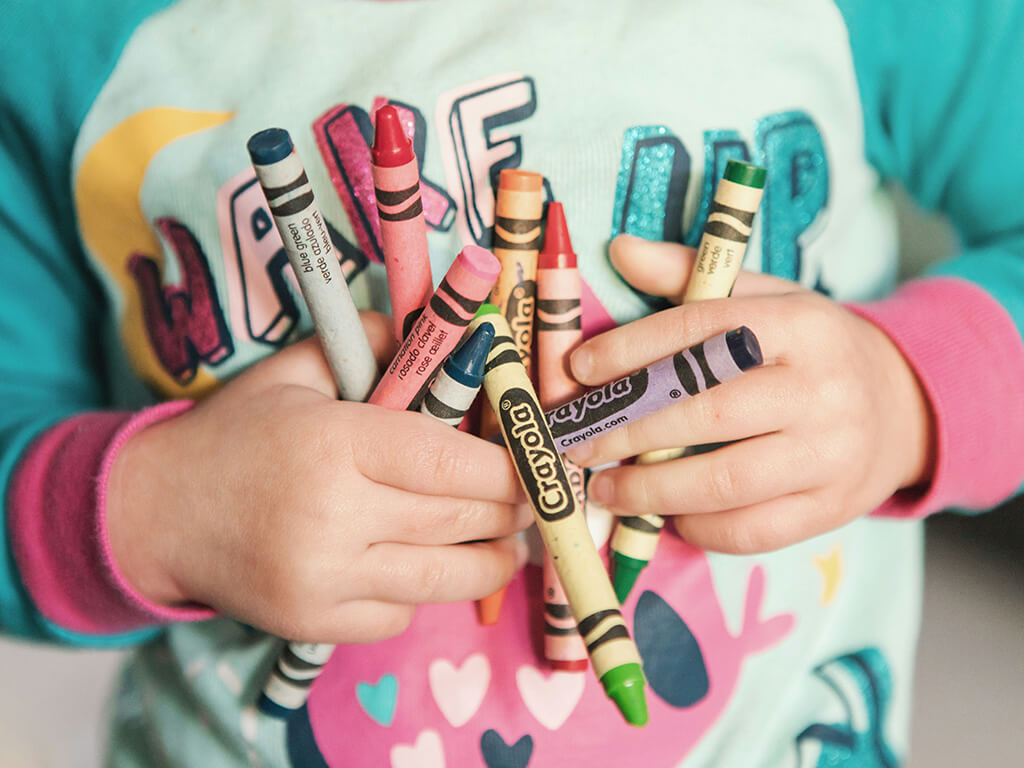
x=562, y=527
x=287, y=688
x=720, y=256
x=403, y=228
x=720, y=253
x=558, y=325
x=437, y=330
x=308, y=245
x=724, y=241
x=518, y=207
x=459, y=379
x=669, y=380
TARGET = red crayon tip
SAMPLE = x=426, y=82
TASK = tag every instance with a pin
x=570, y=666
x=391, y=147
x=557, y=253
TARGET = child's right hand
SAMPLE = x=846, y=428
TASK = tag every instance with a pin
x=314, y=519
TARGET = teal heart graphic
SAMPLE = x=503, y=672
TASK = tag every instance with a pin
x=378, y=701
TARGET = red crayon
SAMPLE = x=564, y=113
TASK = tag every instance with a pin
x=403, y=228
x=559, y=330
x=437, y=330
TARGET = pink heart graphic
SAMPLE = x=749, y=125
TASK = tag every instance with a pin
x=550, y=699
x=459, y=691
x=426, y=753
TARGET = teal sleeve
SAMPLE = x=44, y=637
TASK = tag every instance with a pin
x=56, y=56
x=943, y=92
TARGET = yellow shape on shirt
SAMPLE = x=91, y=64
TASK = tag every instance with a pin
x=113, y=225
x=831, y=567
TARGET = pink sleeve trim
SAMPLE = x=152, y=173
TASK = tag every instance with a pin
x=969, y=357
x=57, y=517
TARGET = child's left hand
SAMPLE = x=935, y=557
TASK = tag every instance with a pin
x=832, y=425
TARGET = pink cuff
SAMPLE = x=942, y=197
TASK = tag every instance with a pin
x=969, y=356
x=57, y=519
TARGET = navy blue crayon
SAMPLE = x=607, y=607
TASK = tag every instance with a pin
x=453, y=391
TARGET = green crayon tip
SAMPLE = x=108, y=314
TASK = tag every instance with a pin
x=487, y=309
x=746, y=174
x=625, y=571
x=624, y=685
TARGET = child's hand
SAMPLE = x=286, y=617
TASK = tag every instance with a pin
x=316, y=520
x=831, y=426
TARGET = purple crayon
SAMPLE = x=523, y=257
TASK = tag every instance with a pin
x=659, y=385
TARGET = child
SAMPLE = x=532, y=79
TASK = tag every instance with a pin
x=141, y=267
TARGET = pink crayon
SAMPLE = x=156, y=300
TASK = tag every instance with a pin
x=403, y=228
x=558, y=329
x=437, y=330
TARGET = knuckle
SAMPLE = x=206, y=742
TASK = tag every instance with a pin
x=723, y=483
x=434, y=579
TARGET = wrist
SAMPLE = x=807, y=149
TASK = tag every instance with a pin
x=134, y=489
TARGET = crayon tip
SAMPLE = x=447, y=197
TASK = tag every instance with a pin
x=578, y=665
x=269, y=146
x=488, y=309
x=271, y=708
x=746, y=174
x=744, y=348
x=391, y=147
x=520, y=181
x=466, y=365
x=489, y=608
x=624, y=685
x=557, y=252
x=480, y=262
x=625, y=571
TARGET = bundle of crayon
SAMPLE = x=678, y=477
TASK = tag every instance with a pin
x=719, y=259
x=518, y=210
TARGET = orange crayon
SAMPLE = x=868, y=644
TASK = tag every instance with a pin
x=518, y=212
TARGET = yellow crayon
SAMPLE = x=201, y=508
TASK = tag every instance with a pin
x=563, y=529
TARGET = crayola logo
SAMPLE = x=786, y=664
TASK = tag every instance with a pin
x=519, y=314
x=598, y=405
x=535, y=456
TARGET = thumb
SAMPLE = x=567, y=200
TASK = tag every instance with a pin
x=304, y=364
x=663, y=269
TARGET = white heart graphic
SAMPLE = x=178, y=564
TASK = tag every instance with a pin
x=427, y=752
x=550, y=699
x=459, y=691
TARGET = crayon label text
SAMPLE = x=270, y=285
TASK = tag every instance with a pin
x=535, y=456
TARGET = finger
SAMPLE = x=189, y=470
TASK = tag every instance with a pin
x=737, y=475
x=302, y=363
x=440, y=520
x=407, y=573
x=631, y=347
x=663, y=269
x=763, y=400
x=435, y=459
x=660, y=269
x=354, y=621
x=763, y=527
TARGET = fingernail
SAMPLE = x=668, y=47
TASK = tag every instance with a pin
x=580, y=453
x=600, y=488
x=582, y=362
